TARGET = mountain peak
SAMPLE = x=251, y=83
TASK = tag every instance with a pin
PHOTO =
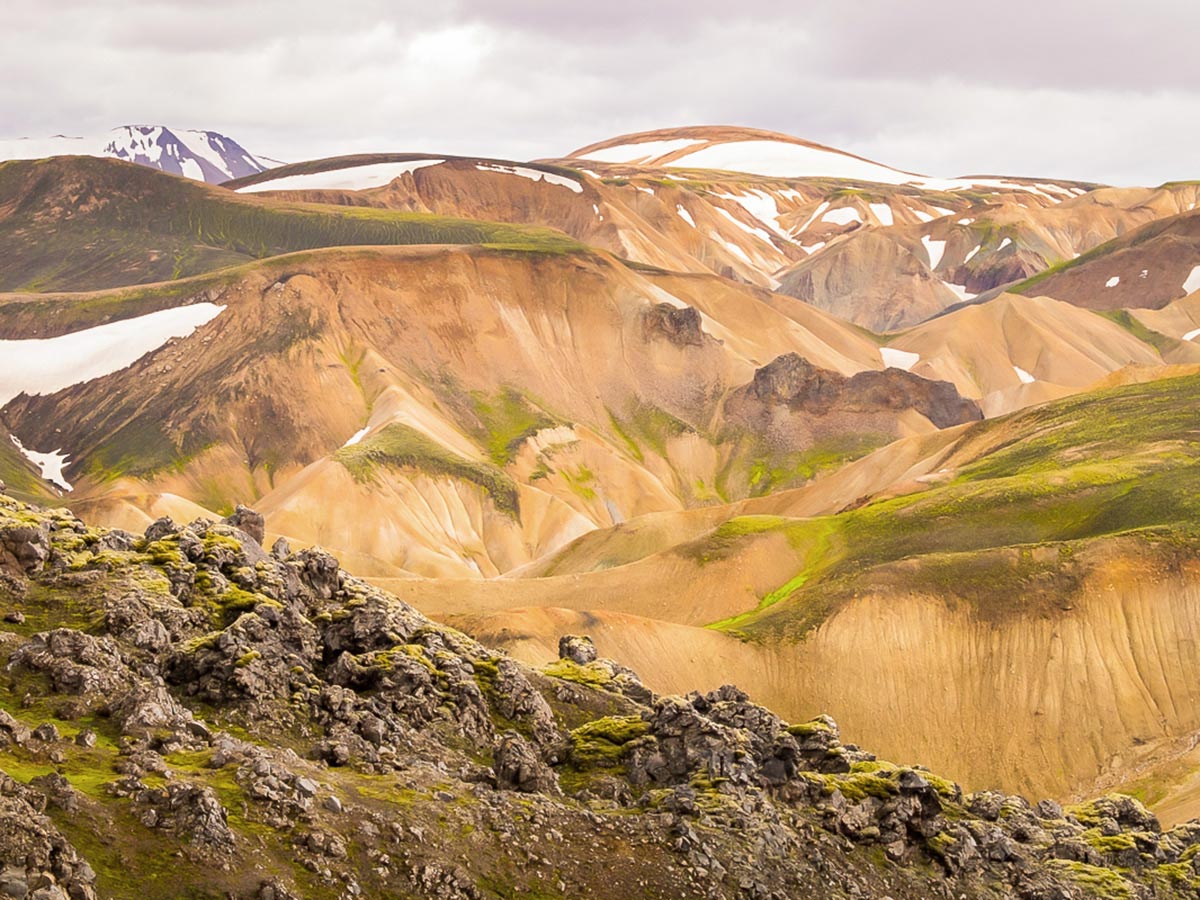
x=193, y=153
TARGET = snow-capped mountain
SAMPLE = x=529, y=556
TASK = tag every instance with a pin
x=202, y=155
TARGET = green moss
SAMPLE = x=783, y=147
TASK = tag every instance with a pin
x=507, y=419
x=593, y=674
x=1100, y=883
x=400, y=446
x=605, y=742
x=807, y=729
x=1156, y=339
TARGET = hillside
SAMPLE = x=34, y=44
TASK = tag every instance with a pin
x=1042, y=535
x=203, y=716
x=80, y=223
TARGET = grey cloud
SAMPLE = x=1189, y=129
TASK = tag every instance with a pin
x=1099, y=90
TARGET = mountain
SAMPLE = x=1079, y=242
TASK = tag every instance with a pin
x=743, y=408
x=199, y=155
x=200, y=716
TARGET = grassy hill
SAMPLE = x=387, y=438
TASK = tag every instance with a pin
x=81, y=223
x=1021, y=496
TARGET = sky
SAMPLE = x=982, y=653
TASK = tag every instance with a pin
x=1098, y=90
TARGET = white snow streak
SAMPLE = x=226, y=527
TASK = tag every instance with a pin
x=45, y=365
x=1113, y=282
x=1025, y=377
x=534, y=175
x=355, y=178
x=1192, y=284
x=357, y=436
x=883, y=213
x=899, y=359
x=51, y=465
x=685, y=215
x=843, y=215
x=935, y=249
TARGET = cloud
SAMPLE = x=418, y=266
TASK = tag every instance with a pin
x=1098, y=91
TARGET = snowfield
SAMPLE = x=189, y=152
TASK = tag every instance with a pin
x=899, y=359
x=46, y=365
x=843, y=215
x=1192, y=283
x=1025, y=377
x=356, y=178
x=935, y=249
x=533, y=175
x=51, y=465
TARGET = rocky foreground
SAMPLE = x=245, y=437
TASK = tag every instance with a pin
x=184, y=714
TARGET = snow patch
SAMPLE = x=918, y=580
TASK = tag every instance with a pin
x=935, y=249
x=757, y=232
x=960, y=291
x=1004, y=243
x=640, y=153
x=1192, y=335
x=191, y=169
x=685, y=215
x=842, y=216
x=732, y=248
x=357, y=436
x=1025, y=377
x=51, y=465
x=46, y=365
x=355, y=178
x=1192, y=283
x=883, y=212
x=1113, y=282
x=534, y=175
x=922, y=217
x=820, y=209
x=971, y=255
x=761, y=206
x=941, y=210
x=899, y=359
x=810, y=250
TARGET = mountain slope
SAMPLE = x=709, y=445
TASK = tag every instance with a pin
x=79, y=223
x=188, y=715
x=1039, y=536
x=199, y=155
x=455, y=438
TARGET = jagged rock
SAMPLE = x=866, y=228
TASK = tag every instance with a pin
x=793, y=381
x=519, y=768
x=147, y=708
x=249, y=522
x=192, y=811
x=13, y=731
x=24, y=547
x=681, y=326
x=577, y=648
x=160, y=528
x=46, y=732
x=16, y=617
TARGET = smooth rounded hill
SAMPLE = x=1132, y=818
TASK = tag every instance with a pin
x=739, y=149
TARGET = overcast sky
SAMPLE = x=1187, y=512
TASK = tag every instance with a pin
x=1090, y=89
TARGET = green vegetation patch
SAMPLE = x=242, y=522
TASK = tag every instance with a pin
x=507, y=420
x=132, y=225
x=401, y=446
x=1006, y=530
x=605, y=742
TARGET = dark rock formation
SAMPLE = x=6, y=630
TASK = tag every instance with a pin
x=793, y=381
